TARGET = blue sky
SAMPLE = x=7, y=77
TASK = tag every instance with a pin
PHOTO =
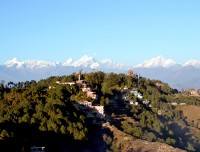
x=128, y=31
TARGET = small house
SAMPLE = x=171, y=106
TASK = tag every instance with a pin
x=91, y=94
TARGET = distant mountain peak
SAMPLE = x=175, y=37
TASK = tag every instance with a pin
x=158, y=61
x=14, y=63
x=32, y=64
x=85, y=61
x=69, y=62
x=194, y=63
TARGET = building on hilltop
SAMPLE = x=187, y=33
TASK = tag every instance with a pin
x=193, y=92
x=68, y=83
x=130, y=73
x=159, y=85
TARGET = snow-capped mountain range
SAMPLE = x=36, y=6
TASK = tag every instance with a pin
x=84, y=61
x=179, y=76
x=90, y=62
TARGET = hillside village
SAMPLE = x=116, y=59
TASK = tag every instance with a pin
x=99, y=110
x=85, y=105
x=131, y=96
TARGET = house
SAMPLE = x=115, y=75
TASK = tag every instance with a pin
x=86, y=89
x=174, y=103
x=81, y=82
x=125, y=87
x=139, y=96
x=68, y=83
x=86, y=103
x=136, y=94
x=91, y=94
x=146, y=102
x=100, y=110
x=183, y=104
x=93, y=110
x=37, y=149
x=136, y=103
x=58, y=82
x=131, y=102
x=159, y=112
x=130, y=73
x=193, y=92
x=50, y=87
x=159, y=85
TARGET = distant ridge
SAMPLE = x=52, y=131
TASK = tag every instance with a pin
x=180, y=76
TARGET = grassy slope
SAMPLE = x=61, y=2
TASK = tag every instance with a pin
x=191, y=112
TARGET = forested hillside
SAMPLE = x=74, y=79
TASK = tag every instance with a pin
x=48, y=113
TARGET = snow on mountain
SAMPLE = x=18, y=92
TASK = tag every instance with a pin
x=194, y=63
x=109, y=64
x=157, y=62
x=89, y=62
x=69, y=62
x=85, y=61
x=40, y=64
x=31, y=64
x=14, y=63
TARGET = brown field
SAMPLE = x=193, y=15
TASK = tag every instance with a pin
x=192, y=113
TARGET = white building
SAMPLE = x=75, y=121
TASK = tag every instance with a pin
x=100, y=110
x=86, y=103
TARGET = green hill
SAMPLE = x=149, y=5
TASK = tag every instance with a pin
x=49, y=113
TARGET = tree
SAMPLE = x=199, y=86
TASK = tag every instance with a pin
x=149, y=136
x=171, y=133
x=137, y=131
x=102, y=101
x=95, y=79
x=33, y=83
x=10, y=84
x=27, y=84
x=190, y=147
x=2, y=84
x=5, y=134
x=170, y=141
x=106, y=89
